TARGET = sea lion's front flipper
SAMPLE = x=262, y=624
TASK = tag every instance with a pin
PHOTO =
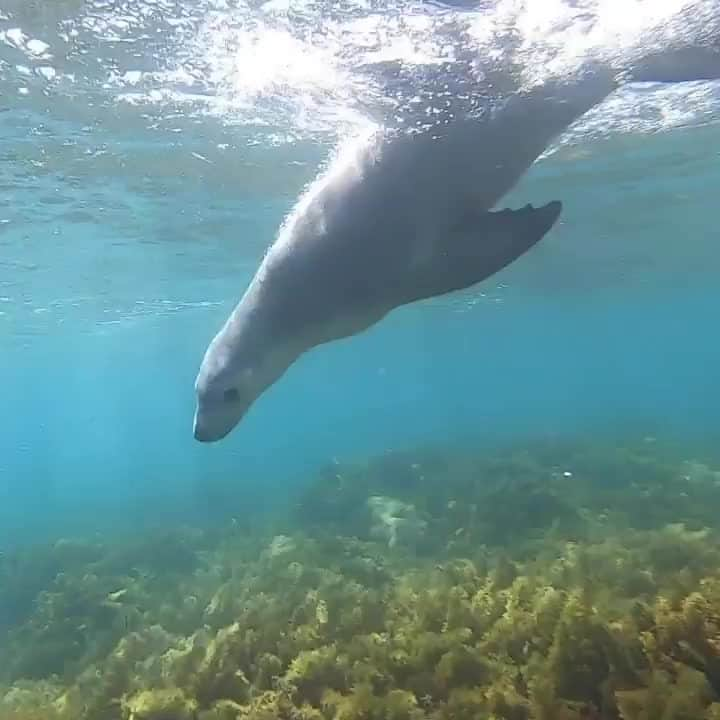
x=480, y=246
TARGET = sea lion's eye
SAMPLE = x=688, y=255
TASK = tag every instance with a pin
x=231, y=395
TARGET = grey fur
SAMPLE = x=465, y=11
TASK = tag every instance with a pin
x=396, y=219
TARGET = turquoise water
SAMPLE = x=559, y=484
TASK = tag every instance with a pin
x=500, y=503
x=146, y=167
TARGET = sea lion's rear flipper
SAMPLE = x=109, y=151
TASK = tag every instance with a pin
x=689, y=49
x=480, y=246
x=684, y=64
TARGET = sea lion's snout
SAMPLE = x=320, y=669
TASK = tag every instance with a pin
x=202, y=433
x=208, y=428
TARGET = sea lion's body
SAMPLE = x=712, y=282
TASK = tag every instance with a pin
x=395, y=219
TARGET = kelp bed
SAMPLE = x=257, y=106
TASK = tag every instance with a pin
x=558, y=583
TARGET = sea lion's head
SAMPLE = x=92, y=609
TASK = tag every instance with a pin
x=239, y=365
x=224, y=390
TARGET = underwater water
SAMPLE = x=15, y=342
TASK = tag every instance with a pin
x=562, y=415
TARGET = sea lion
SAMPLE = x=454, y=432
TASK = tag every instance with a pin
x=398, y=218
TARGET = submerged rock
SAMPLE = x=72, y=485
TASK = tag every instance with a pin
x=280, y=545
x=395, y=521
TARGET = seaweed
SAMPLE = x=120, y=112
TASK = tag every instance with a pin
x=438, y=587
